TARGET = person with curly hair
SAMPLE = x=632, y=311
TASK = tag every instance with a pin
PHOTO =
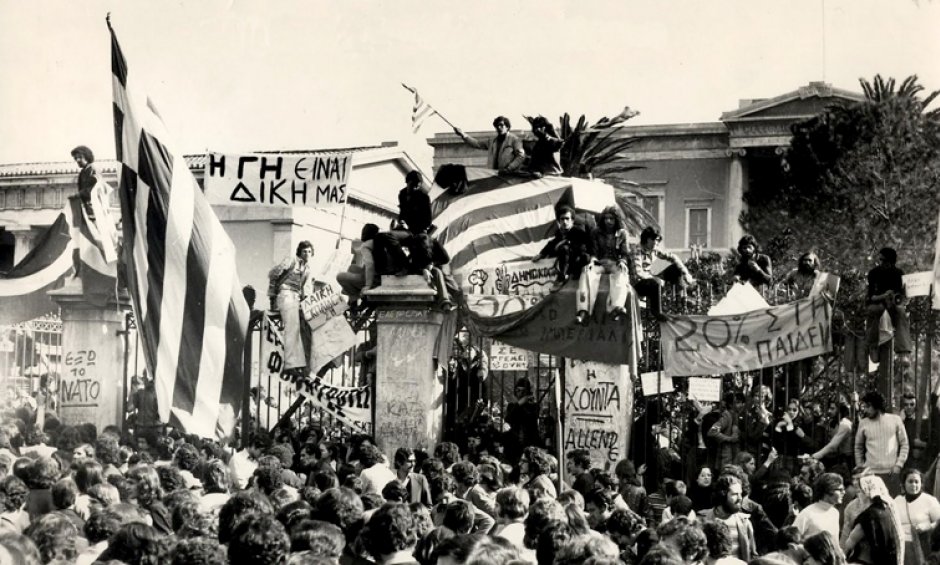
x=135, y=543
x=197, y=551
x=13, y=494
x=390, y=535
x=535, y=465
x=55, y=536
x=611, y=257
x=149, y=493
x=753, y=266
x=259, y=539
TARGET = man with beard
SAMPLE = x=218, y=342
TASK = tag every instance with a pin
x=802, y=279
x=504, y=152
x=729, y=494
x=571, y=246
x=754, y=267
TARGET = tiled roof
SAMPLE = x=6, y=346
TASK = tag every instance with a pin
x=195, y=162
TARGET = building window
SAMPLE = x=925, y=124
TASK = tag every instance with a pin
x=698, y=223
x=653, y=204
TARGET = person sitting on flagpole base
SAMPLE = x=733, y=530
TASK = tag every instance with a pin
x=361, y=275
x=504, y=152
x=290, y=283
x=610, y=257
x=649, y=285
x=571, y=247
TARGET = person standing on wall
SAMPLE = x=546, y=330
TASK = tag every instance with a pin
x=290, y=283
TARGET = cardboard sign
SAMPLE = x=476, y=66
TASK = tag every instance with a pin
x=918, y=284
x=516, y=278
x=705, y=389
x=350, y=405
x=709, y=345
x=598, y=407
x=656, y=383
x=508, y=358
x=318, y=180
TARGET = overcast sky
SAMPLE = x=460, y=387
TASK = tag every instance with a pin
x=239, y=76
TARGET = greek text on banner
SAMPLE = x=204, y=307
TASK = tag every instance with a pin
x=707, y=345
x=316, y=180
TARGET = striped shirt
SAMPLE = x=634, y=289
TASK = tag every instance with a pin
x=881, y=443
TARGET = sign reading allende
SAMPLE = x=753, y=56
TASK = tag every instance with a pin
x=317, y=180
x=597, y=410
x=707, y=345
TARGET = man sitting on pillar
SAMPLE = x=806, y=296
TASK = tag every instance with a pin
x=610, y=257
x=649, y=285
x=571, y=247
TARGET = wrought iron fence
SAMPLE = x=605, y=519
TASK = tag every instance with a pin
x=31, y=359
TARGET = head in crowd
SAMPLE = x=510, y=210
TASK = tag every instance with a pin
x=598, y=504
x=704, y=477
x=650, y=237
x=512, y=503
x=413, y=180
x=442, y=488
x=20, y=550
x=685, y=537
x=729, y=493
x=541, y=513
x=237, y=507
x=459, y=516
x=586, y=548
x=448, y=453
x=454, y=549
x=369, y=231
x=888, y=257
x=426, y=546
x=571, y=496
x=198, y=551
x=578, y=461
x=808, y=263
x=522, y=388
x=493, y=551
x=43, y=473
x=432, y=467
x=610, y=220
x=258, y=539
x=85, y=154
x=341, y=507
x=824, y=549
x=64, y=493
x=564, y=217
x=404, y=459
x=872, y=404
x=828, y=487
x=101, y=525
x=626, y=472
x=391, y=529
x=746, y=461
x=748, y=247
x=55, y=536
x=465, y=473
x=535, y=461
x=555, y=535
x=717, y=539
x=502, y=125
x=912, y=483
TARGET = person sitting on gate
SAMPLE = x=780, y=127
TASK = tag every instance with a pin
x=802, y=279
x=610, y=257
x=646, y=283
x=291, y=281
x=427, y=258
x=504, y=152
x=361, y=275
x=571, y=247
x=414, y=204
x=753, y=267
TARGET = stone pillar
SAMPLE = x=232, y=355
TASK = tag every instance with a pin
x=408, y=393
x=91, y=388
x=737, y=186
x=23, y=243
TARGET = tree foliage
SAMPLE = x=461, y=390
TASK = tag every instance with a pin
x=858, y=177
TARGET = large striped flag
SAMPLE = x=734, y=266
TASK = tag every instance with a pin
x=180, y=269
x=421, y=110
x=24, y=290
x=507, y=218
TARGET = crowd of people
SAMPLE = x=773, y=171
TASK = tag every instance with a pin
x=77, y=495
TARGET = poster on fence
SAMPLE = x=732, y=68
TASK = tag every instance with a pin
x=350, y=405
x=705, y=389
x=706, y=345
x=516, y=278
x=508, y=358
x=655, y=382
x=598, y=401
x=314, y=180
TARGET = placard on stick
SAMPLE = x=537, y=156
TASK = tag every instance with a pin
x=655, y=383
x=705, y=389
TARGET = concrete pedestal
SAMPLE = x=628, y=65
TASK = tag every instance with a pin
x=408, y=393
x=91, y=387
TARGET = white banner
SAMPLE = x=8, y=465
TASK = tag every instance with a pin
x=508, y=358
x=598, y=406
x=709, y=345
x=514, y=278
x=314, y=180
x=350, y=405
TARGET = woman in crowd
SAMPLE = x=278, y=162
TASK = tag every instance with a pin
x=823, y=549
x=919, y=513
x=701, y=490
x=876, y=536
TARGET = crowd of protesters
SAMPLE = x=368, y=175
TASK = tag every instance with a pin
x=77, y=495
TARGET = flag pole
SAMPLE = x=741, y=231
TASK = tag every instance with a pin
x=438, y=114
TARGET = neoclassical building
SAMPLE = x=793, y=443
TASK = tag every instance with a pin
x=33, y=194
x=695, y=175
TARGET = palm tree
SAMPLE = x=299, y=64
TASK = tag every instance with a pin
x=597, y=152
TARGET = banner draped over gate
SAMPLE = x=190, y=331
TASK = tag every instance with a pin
x=707, y=345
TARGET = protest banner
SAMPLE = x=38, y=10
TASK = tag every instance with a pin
x=505, y=357
x=350, y=405
x=598, y=400
x=513, y=279
x=918, y=284
x=656, y=382
x=707, y=345
x=705, y=389
x=324, y=303
x=317, y=180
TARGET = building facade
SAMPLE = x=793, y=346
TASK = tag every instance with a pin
x=694, y=176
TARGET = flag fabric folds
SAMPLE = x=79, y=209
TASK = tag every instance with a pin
x=421, y=110
x=24, y=289
x=96, y=242
x=507, y=218
x=180, y=271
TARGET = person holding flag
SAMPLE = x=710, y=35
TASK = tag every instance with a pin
x=504, y=152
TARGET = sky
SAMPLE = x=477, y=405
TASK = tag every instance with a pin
x=238, y=76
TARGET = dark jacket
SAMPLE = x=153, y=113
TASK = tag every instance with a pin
x=414, y=208
x=761, y=275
